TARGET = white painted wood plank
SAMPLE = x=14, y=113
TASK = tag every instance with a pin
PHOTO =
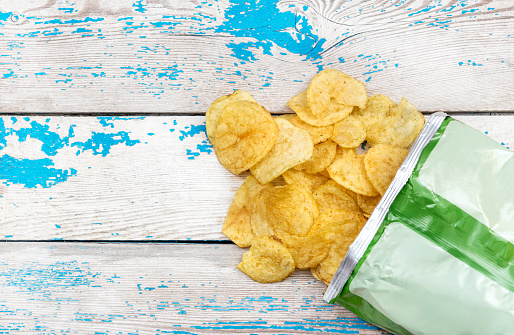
x=78, y=288
x=126, y=178
x=176, y=57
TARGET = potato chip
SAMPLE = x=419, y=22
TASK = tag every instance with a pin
x=292, y=147
x=331, y=91
x=259, y=218
x=335, y=216
x=307, y=251
x=322, y=157
x=349, y=172
x=378, y=107
x=340, y=152
x=213, y=113
x=318, y=134
x=350, y=132
x=267, y=261
x=398, y=130
x=237, y=226
x=299, y=105
x=340, y=231
x=367, y=204
x=290, y=210
x=381, y=163
x=302, y=178
x=332, y=196
x=245, y=134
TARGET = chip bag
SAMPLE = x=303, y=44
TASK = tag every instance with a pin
x=436, y=255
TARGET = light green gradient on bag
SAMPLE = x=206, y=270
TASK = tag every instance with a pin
x=420, y=286
x=484, y=172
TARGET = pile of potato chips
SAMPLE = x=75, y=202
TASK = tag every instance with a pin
x=333, y=181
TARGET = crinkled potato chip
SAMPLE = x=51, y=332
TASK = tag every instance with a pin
x=267, y=261
x=340, y=152
x=350, y=132
x=299, y=105
x=307, y=251
x=292, y=147
x=237, y=226
x=302, y=178
x=290, y=210
x=378, y=107
x=398, y=130
x=332, y=196
x=381, y=163
x=367, y=204
x=322, y=157
x=245, y=134
x=318, y=134
x=337, y=216
x=213, y=113
x=341, y=230
x=259, y=219
x=349, y=172
x=331, y=91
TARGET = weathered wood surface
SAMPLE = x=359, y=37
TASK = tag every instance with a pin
x=125, y=178
x=77, y=288
x=163, y=56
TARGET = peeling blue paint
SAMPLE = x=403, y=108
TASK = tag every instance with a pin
x=265, y=23
x=32, y=173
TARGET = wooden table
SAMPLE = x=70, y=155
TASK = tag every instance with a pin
x=112, y=199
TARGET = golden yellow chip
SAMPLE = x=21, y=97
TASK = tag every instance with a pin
x=322, y=157
x=378, y=107
x=302, y=178
x=318, y=134
x=340, y=152
x=332, y=196
x=299, y=105
x=290, y=210
x=259, y=218
x=398, y=130
x=381, y=163
x=349, y=172
x=237, y=226
x=267, y=261
x=213, y=113
x=246, y=132
x=367, y=204
x=292, y=147
x=307, y=251
x=331, y=91
x=341, y=230
x=350, y=132
x=334, y=217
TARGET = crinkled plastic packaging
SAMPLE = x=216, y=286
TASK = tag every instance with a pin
x=437, y=254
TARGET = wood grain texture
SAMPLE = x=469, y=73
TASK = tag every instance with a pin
x=126, y=178
x=138, y=56
x=53, y=288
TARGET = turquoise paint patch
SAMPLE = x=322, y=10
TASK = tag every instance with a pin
x=4, y=16
x=101, y=143
x=264, y=22
x=51, y=140
x=107, y=121
x=32, y=173
x=139, y=6
x=41, y=172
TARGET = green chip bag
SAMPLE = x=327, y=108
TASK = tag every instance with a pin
x=437, y=254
